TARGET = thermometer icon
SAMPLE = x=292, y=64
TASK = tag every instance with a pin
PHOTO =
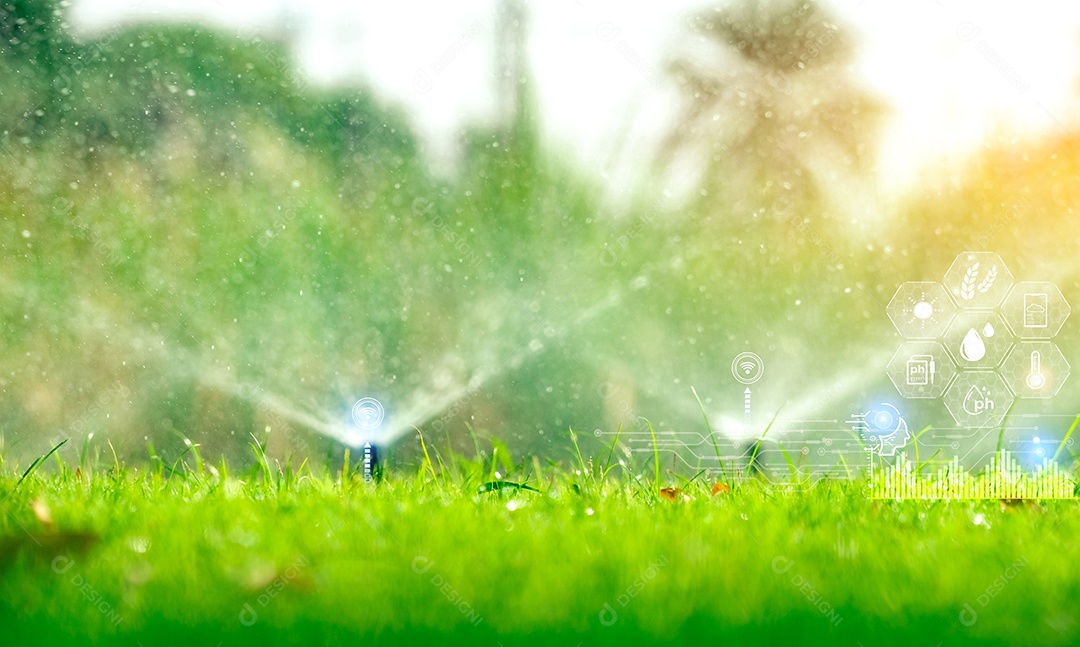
x=1035, y=379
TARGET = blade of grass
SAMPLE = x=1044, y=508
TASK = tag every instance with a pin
x=752, y=465
x=919, y=466
x=687, y=484
x=712, y=435
x=116, y=459
x=651, y=496
x=37, y=462
x=577, y=451
x=1001, y=432
x=915, y=442
x=260, y=455
x=85, y=453
x=476, y=443
x=847, y=470
x=611, y=450
x=1068, y=435
x=427, y=456
x=656, y=457
x=790, y=463
x=498, y=486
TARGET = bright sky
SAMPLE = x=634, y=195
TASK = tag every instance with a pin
x=953, y=71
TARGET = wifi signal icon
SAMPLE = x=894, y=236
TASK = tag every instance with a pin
x=747, y=368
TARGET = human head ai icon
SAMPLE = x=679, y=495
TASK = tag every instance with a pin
x=882, y=428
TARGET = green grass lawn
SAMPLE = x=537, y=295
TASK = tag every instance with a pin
x=187, y=554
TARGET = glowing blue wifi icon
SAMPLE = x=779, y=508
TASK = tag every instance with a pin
x=368, y=414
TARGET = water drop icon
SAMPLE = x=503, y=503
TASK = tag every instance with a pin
x=972, y=348
x=988, y=330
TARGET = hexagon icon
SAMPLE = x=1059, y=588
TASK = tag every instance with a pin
x=921, y=369
x=1035, y=310
x=921, y=310
x=978, y=399
x=978, y=280
x=978, y=340
x=1035, y=369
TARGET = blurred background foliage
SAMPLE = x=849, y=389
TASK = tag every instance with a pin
x=200, y=245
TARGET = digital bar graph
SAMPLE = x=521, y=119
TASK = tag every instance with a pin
x=1002, y=478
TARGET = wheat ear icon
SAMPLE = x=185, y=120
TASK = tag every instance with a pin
x=988, y=282
x=967, y=286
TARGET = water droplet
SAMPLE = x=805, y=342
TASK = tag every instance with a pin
x=988, y=330
x=972, y=348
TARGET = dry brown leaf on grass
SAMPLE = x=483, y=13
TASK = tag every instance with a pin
x=673, y=494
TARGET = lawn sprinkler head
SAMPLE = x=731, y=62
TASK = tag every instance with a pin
x=368, y=415
x=372, y=471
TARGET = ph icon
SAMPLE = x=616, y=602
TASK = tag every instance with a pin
x=978, y=401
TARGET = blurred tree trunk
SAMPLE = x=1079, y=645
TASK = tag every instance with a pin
x=773, y=116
